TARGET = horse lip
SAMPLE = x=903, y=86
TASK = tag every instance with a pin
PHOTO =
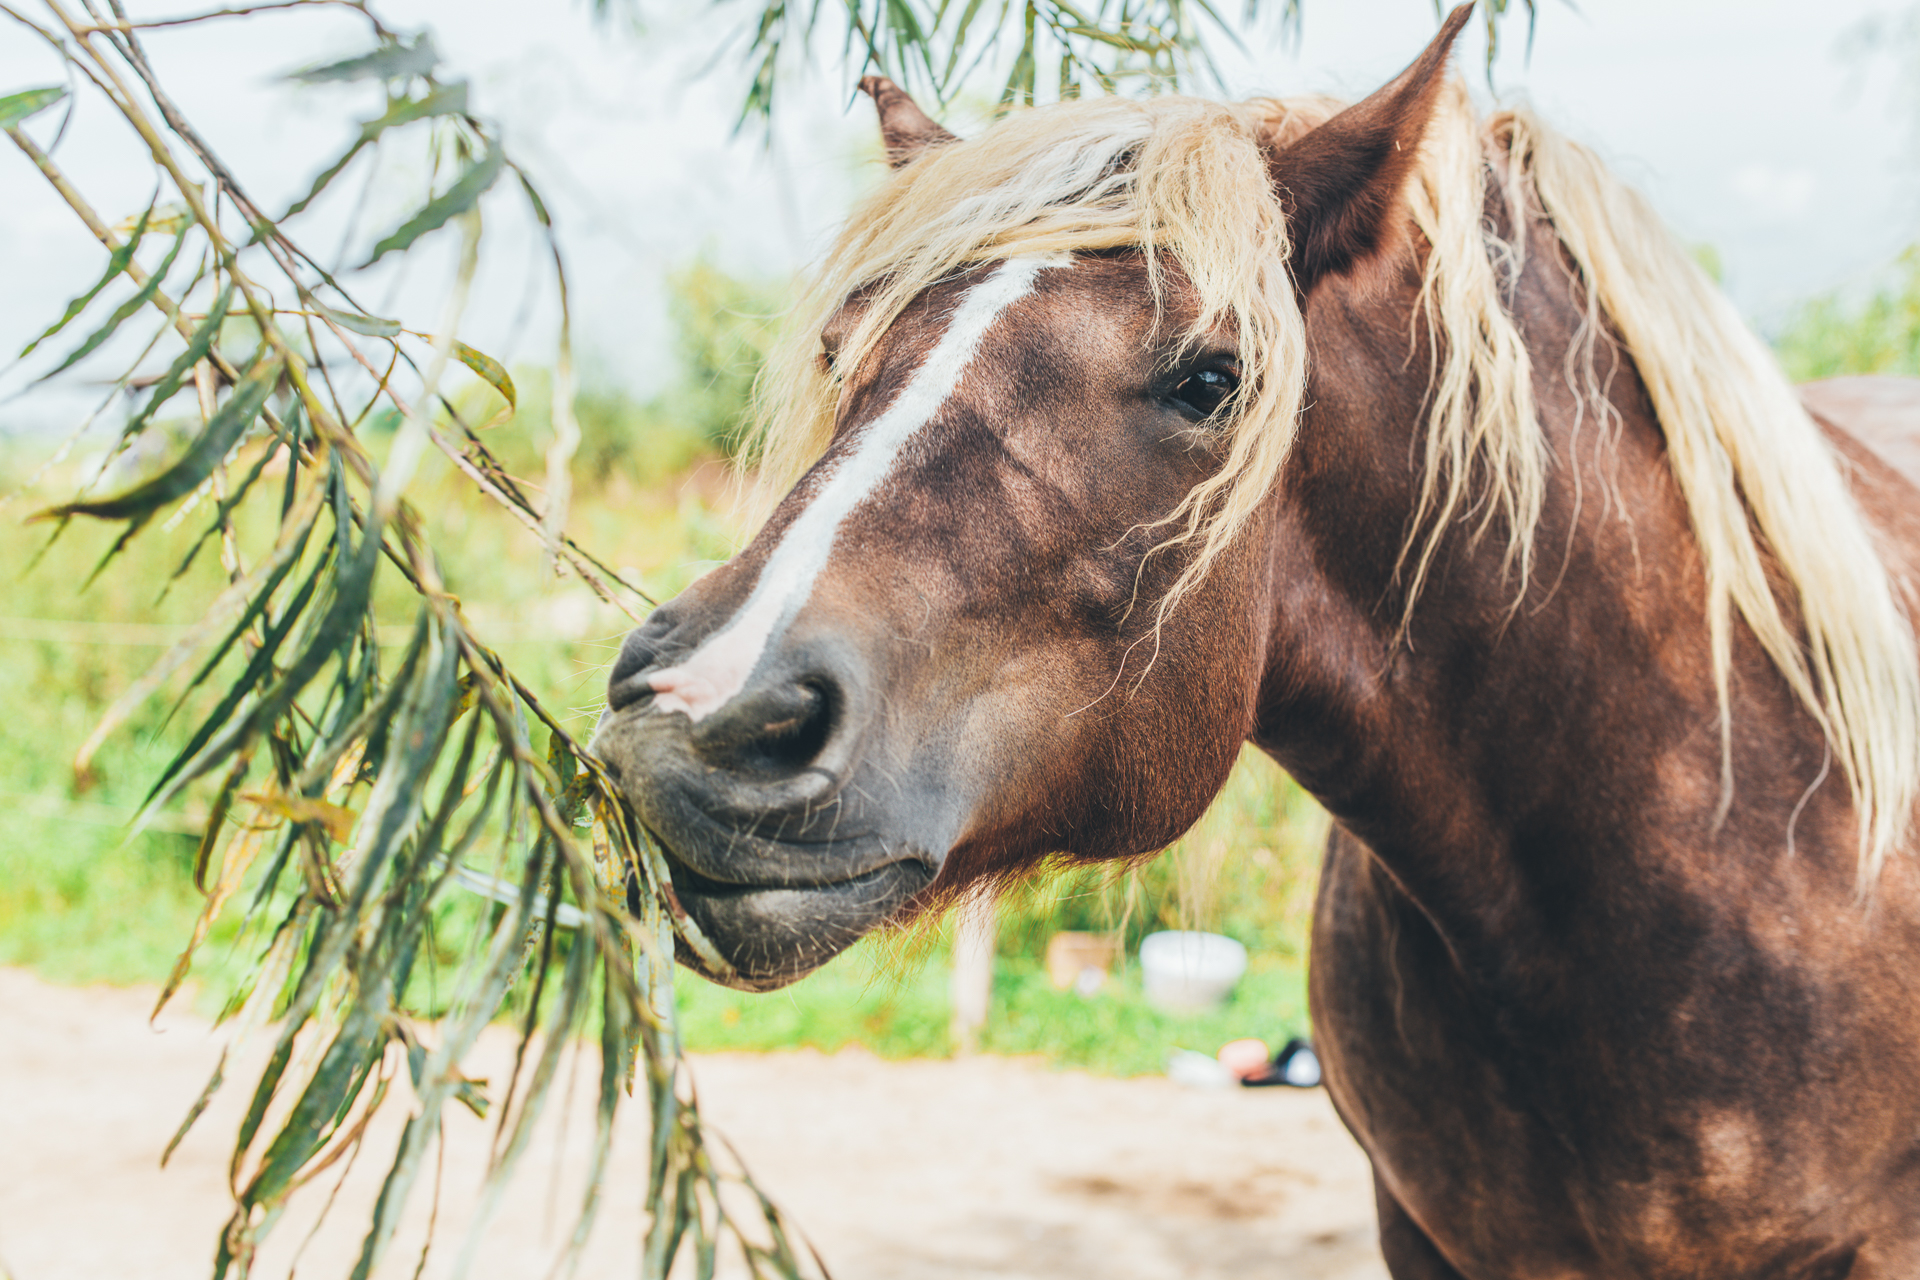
x=730, y=859
x=732, y=798
x=796, y=796
x=688, y=878
x=810, y=924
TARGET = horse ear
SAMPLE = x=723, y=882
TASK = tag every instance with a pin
x=1340, y=185
x=904, y=127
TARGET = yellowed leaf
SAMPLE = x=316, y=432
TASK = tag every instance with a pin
x=168, y=218
x=336, y=820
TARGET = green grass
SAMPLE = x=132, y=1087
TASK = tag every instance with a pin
x=1116, y=1032
x=865, y=999
x=82, y=901
x=82, y=904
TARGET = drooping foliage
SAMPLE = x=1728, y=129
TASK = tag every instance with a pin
x=361, y=781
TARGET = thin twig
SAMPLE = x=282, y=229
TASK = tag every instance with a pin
x=151, y=24
x=486, y=485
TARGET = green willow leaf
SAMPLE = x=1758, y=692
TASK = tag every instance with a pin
x=330, y=637
x=218, y=523
x=176, y=375
x=392, y=61
x=456, y=200
x=1113, y=39
x=172, y=217
x=124, y=310
x=16, y=108
x=366, y=326
x=202, y=456
x=116, y=263
x=533, y=199
x=262, y=1096
x=333, y=1087
x=447, y=100
x=198, y=1108
x=959, y=39
x=255, y=607
x=258, y=669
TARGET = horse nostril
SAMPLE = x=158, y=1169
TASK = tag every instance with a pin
x=626, y=691
x=643, y=649
x=782, y=729
x=795, y=741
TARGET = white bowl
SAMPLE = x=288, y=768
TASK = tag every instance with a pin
x=1185, y=971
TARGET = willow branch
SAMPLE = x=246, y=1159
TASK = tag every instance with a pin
x=138, y=274
x=135, y=272
x=480, y=478
x=103, y=27
x=323, y=420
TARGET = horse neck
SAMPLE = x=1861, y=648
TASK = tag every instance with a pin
x=1498, y=722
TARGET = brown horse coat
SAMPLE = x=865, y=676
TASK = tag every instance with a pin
x=1584, y=1023
x=1580, y=1031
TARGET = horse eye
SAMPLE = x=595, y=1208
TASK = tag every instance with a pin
x=1205, y=391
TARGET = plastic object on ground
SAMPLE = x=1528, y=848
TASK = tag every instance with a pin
x=1198, y=1071
x=1185, y=971
x=1296, y=1066
x=1244, y=1057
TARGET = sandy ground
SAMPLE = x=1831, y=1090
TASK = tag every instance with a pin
x=895, y=1171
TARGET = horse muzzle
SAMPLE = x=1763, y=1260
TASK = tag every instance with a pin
x=777, y=850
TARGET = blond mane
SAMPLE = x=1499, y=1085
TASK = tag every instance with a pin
x=1185, y=177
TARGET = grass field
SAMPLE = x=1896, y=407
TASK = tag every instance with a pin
x=82, y=901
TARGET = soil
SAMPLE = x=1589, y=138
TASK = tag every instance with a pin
x=923, y=1170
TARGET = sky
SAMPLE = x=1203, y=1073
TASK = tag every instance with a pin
x=1759, y=127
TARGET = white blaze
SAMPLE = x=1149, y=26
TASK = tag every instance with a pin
x=714, y=674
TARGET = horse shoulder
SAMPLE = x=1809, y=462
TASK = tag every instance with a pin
x=1874, y=422
x=1880, y=412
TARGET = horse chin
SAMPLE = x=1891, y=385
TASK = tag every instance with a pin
x=773, y=935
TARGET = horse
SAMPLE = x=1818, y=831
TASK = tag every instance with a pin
x=1403, y=443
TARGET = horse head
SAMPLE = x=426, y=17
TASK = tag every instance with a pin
x=1017, y=603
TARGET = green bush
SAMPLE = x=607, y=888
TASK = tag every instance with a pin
x=1830, y=336
x=723, y=328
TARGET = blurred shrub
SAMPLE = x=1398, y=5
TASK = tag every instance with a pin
x=723, y=327
x=1708, y=257
x=1830, y=336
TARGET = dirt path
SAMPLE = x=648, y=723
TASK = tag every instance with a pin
x=896, y=1171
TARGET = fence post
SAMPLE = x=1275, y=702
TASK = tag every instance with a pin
x=973, y=939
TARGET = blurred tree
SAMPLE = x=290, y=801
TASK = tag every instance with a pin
x=1844, y=332
x=1832, y=335
x=723, y=328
